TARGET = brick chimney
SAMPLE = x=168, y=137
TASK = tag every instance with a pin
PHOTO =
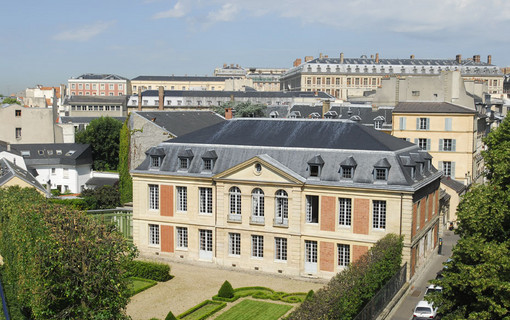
x=476, y=58
x=228, y=113
x=297, y=62
x=320, y=55
x=161, y=98
x=308, y=58
x=139, y=98
x=377, y=58
x=341, y=57
x=458, y=58
x=326, y=105
x=411, y=57
x=489, y=59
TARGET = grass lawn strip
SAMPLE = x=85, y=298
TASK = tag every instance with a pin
x=139, y=284
x=255, y=310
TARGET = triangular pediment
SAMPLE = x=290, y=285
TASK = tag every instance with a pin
x=261, y=168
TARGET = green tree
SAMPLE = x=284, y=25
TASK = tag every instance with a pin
x=62, y=263
x=103, y=136
x=226, y=290
x=243, y=109
x=10, y=100
x=497, y=155
x=104, y=197
x=125, y=180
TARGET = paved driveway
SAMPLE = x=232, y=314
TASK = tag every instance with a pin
x=193, y=284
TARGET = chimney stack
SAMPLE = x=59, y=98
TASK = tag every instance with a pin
x=377, y=58
x=228, y=113
x=476, y=58
x=458, y=58
x=320, y=55
x=224, y=65
x=161, y=97
x=326, y=105
x=341, y=57
x=412, y=57
x=489, y=59
x=139, y=98
x=297, y=62
x=308, y=58
x=371, y=56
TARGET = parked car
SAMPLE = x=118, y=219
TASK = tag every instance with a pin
x=424, y=310
x=433, y=288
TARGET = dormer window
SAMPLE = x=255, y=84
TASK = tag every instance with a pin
x=155, y=161
x=315, y=165
x=209, y=158
x=156, y=155
x=183, y=163
x=208, y=164
x=185, y=158
x=347, y=168
x=381, y=170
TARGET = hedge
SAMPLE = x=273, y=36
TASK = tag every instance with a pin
x=220, y=306
x=348, y=292
x=148, y=270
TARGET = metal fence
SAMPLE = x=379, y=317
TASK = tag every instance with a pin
x=4, y=303
x=121, y=217
x=381, y=299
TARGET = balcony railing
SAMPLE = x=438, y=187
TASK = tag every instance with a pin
x=281, y=222
x=257, y=219
x=234, y=217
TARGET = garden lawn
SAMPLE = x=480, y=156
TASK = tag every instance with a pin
x=255, y=310
x=138, y=284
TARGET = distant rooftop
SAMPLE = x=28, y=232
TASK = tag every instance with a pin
x=178, y=78
x=94, y=76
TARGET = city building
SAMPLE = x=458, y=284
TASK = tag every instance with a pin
x=91, y=84
x=352, y=77
x=260, y=79
x=11, y=174
x=43, y=97
x=193, y=100
x=142, y=83
x=29, y=125
x=150, y=128
x=293, y=197
x=64, y=166
x=95, y=106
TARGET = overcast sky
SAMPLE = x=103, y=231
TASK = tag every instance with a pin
x=47, y=42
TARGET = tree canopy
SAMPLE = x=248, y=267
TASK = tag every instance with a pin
x=476, y=283
x=103, y=136
x=125, y=180
x=243, y=109
x=10, y=100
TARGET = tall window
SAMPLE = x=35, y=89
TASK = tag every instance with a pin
x=282, y=204
x=205, y=200
x=257, y=197
x=153, y=196
x=235, y=200
x=447, y=168
x=312, y=209
x=379, y=214
x=424, y=143
x=344, y=255
x=344, y=212
x=205, y=240
x=182, y=199
x=257, y=246
x=447, y=145
x=310, y=251
x=422, y=123
x=18, y=133
x=280, y=249
x=153, y=234
x=182, y=237
x=234, y=244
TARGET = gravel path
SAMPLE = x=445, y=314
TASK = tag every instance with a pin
x=194, y=283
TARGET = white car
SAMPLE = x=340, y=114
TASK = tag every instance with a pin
x=433, y=288
x=424, y=310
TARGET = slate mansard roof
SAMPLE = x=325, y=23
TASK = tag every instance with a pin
x=181, y=122
x=9, y=170
x=55, y=153
x=237, y=94
x=431, y=107
x=291, y=145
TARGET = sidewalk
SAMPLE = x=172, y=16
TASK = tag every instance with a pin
x=403, y=310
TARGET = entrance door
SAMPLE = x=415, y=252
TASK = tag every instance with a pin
x=206, y=251
x=310, y=256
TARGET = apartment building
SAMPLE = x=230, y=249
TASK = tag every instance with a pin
x=142, y=83
x=293, y=197
x=351, y=77
x=91, y=84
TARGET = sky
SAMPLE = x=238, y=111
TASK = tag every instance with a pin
x=48, y=42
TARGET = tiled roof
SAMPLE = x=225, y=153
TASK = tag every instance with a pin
x=238, y=94
x=181, y=122
x=93, y=76
x=179, y=78
x=55, y=153
x=431, y=107
x=453, y=184
x=8, y=170
x=397, y=61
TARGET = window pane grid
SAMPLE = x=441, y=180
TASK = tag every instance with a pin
x=282, y=204
x=182, y=237
x=206, y=200
x=344, y=214
x=380, y=174
x=344, y=255
x=153, y=234
x=257, y=246
x=153, y=196
x=258, y=202
x=206, y=240
x=234, y=247
x=182, y=199
x=347, y=172
x=310, y=251
x=281, y=249
x=379, y=214
x=235, y=200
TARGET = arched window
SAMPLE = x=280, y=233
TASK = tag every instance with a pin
x=257, y=197
x=235, y=200
x=282, y=206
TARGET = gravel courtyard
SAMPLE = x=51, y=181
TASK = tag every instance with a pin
x=194, y=283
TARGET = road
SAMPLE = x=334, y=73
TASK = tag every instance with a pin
x=404, y=309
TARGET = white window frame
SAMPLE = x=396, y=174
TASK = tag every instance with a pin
x=205, y=203
x=344, y=255
x=257, y=246
x=381, y=174
x=379, y=214
x=309, y=208
x=153, y=197
x=235, y=201
x=344, y=212
x=182, y=237
x=182, y=198
x=280, y=249
x=282, y=204
x=234, y=244
x=257, y=196
x=154, y=235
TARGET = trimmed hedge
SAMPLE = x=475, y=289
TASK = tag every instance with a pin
x=220, y=305
x=226, y=290
x=148, y=270
x=152, y=283
x=263, y=293
x=170, y=316
x=348, y=292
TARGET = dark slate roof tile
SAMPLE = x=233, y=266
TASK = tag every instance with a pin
x=431, y=107
x=181, y=122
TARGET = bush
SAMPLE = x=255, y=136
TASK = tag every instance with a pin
x=170, y=316
x=148, y=270
x=78, y=204
x=226, y=290
x=309, y=295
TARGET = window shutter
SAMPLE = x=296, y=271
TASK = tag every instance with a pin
x=428, y=123
x=402, y=123
x=440, y=165
x=453, y=170
x=448, y=124
x=441, y=142
x=428, y=144
x=417, y=123
x=415, y=140
x=454, y=145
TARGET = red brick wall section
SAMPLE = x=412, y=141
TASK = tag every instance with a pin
x=361, y=216
x=167, y=201
x=413, y=227
x=327, y=256
x=327, y=213
x=413, y=260
x=436, y=202
x=423, y=209
x=436, y=228
x=358, y=251
x=167, y=238
x=431, y=205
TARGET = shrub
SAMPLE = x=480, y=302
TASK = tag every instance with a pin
x=170, y=316
x=148, y=270
x=309, y=295
x=226, y=290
